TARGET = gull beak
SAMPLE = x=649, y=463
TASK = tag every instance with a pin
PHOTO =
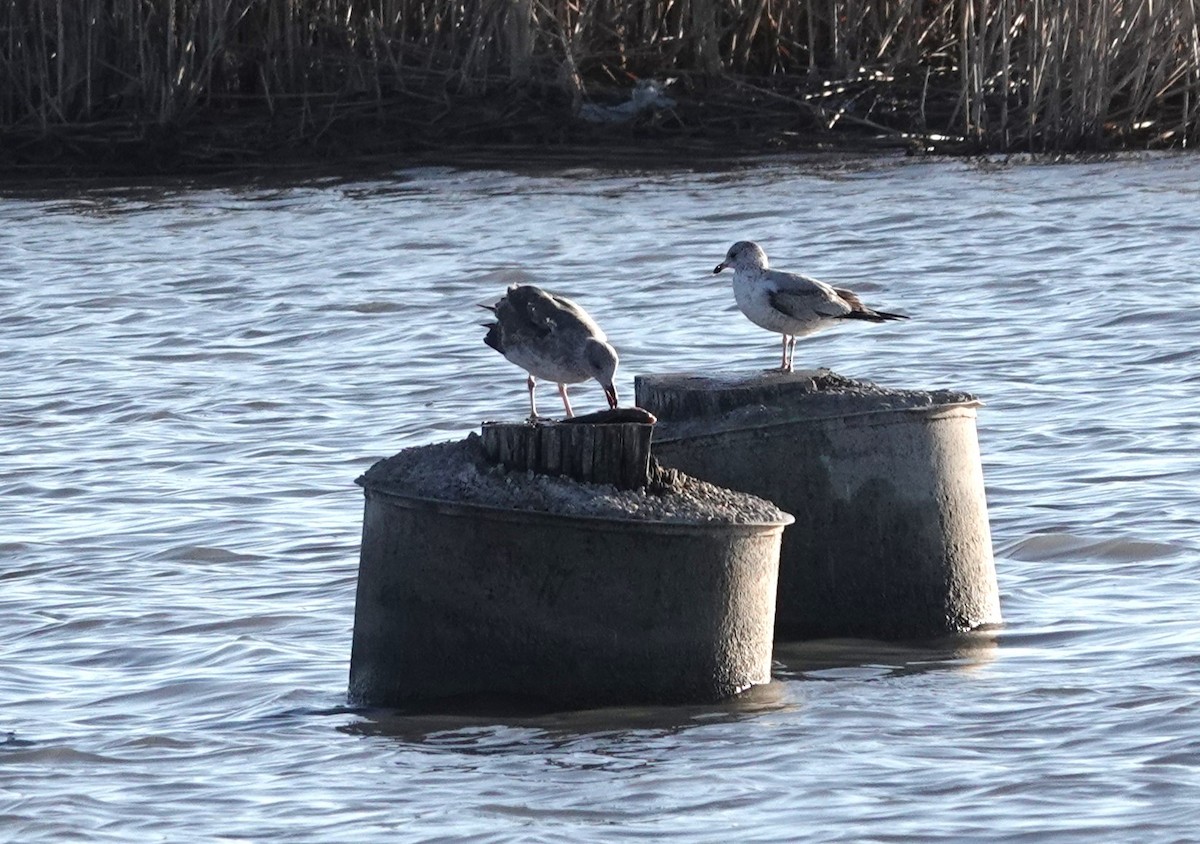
x=720, y=267
x=610, y=393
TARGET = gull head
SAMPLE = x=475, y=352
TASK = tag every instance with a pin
x=601, y=360
x=744, y=255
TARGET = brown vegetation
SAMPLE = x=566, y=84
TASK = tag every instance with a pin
x=227, y=79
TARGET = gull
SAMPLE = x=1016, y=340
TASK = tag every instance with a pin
x=552, y=338
x=788, y=303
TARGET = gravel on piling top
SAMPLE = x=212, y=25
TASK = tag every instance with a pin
x=691, y=404
x=458, y=472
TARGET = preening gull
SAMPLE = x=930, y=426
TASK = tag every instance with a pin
x=551, y=337
x=791, y=304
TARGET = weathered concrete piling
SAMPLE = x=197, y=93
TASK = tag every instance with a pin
x=891, y=538
x=479, y=580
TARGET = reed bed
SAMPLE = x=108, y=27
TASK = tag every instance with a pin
x=1009, y=75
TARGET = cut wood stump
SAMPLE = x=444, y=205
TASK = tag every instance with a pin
x=617, y=454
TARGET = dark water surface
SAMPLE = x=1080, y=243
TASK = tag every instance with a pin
x=191, y=377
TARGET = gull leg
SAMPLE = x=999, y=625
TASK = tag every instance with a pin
x=562, y=391
x=791, y=352
x=530, y=383
x=785, y=365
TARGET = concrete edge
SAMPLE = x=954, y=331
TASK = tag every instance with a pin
x=467, y=509
x=663, y=434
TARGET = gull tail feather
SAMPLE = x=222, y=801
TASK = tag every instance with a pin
x=874, y=316
x=493, y=336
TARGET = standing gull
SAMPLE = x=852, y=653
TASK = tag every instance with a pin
x=791, y=304
x=553, y=338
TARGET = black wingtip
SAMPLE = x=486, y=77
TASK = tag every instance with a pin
x=874, y=316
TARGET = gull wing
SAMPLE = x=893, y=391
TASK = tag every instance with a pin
x=523, y=311
x=803, y=297
x=531, y=311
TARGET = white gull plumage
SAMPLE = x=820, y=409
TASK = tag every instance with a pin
x=790, y=304
x=552, y=338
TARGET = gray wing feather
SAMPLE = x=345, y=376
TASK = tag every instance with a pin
x=802, y=297
x=531, y=312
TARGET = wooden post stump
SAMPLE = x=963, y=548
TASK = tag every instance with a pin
x=606, y=453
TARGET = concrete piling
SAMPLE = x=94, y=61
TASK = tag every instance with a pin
x=477, y=581
x=891, y=538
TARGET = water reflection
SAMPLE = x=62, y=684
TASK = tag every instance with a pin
x=835, y=659
x=481, y=719
x=487, y=715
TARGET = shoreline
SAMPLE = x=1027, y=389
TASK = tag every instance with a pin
x=208, y=145
x=300, y=170
x=719, y=124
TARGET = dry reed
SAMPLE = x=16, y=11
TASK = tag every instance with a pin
x=983, y=74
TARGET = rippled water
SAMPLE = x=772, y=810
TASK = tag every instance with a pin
x=193, y=374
